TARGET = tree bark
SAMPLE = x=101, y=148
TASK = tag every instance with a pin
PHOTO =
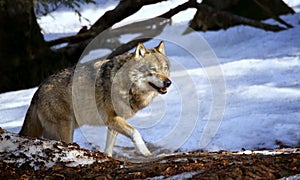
x=25, y=58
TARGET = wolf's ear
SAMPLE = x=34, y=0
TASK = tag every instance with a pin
x=140, y=50
x=161, y=47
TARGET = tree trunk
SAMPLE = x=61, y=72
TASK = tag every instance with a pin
x=25, y=58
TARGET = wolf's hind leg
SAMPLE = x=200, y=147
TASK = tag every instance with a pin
x=120, y=125
x=110, y=141
x=62, y=131
x=32, y=126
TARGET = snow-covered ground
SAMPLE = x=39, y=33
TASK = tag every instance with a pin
x=255, y=71
x=42, y=154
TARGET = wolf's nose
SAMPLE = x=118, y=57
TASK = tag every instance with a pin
x=167, y=83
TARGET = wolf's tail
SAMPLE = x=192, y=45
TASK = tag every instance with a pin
x=32, y=126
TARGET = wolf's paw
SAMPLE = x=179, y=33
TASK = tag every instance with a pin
x=140, y=144
x=144, y=150
x=147, y=154
x=109, y=154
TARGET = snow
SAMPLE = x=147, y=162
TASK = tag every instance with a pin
x=270, y=152
x=295, y=177
x=42, y=154
x=255, y=71
x=185, y=175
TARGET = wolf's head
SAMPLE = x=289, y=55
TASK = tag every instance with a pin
x=139, y=77
x=152, y=69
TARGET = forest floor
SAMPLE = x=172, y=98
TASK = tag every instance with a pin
x=265, y=164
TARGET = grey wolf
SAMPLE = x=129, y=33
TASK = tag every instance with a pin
x=123, y=85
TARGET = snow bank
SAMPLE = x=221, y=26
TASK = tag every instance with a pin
x=42, y=154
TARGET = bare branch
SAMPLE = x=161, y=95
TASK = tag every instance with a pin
x=271, y=14
x=78, y=42
x=182, y=7
x=225, y=19
x=124, y=9
x=145, y=28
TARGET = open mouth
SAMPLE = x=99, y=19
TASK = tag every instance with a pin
x=162, y=90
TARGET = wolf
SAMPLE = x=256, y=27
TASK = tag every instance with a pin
x=119, y=87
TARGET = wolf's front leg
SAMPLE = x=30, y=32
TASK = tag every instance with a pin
x=139, y=143
x=110, y=141
x=120, y=125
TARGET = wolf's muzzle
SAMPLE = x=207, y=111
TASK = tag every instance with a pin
x=162, y=90
x=167, y=83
